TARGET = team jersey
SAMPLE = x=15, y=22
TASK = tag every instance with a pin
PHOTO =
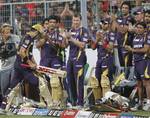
x=80, y=34
x=125, y=57
x=138, y=42
x=148, y=43
x=108, y=37
x=27, y=43
x=51, y=48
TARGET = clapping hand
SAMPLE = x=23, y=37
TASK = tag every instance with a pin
x=128, y=48
x=99, y=36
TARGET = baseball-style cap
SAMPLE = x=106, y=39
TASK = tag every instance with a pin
x=106, y=21
x=138, y=10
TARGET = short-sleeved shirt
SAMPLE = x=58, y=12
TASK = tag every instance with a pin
x=108, y=37
x=148, y=43
x=50, y=50
x=125, y=57
x=138, y=42
x=27, y=42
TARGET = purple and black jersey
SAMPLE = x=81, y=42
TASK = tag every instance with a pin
x=148, y=38
x=148, y=43
x=52, y=49
x=108, y=37
x=80, y=34
x=125, y=20
x=75, y=66
x=125, y=57
x=138, y=42
x=27, y=43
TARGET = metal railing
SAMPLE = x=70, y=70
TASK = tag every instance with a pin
x=22, y=14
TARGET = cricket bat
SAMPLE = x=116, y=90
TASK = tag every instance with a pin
x=47, y=70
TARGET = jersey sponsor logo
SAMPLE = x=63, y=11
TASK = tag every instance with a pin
x=137, y=40
x=41, y=112
x=27, y=42
x=148, y=41
x=85, y=34
x=24, y=45
x=137, y=46
x=60, y=38
x=85, y=39
x=112, y=38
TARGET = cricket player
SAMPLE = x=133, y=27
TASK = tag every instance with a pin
x=105, y=39
x=140, y=48
x=25, y=56
x=78, y=37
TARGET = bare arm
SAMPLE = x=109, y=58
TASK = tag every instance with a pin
x=68, y=38
x=66, y=11
x=40, y=43
x=78, y=43
x=138, y=50
x=23, y=55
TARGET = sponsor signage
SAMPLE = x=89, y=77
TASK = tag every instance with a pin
x=126, y=115
x=69, y=114
x=41, y=112
x=26, y=111
x=111, y=115
x=96, y=115
x=56, y=113
x=51, y=112
x=92, y=115
x=83, y=114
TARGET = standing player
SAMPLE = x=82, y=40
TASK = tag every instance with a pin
x=52, y=46
x=52, y=54
x=105, y=43
x=77, y=39
x=140, y=48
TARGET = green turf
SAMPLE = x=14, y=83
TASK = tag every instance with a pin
x=141, y=113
